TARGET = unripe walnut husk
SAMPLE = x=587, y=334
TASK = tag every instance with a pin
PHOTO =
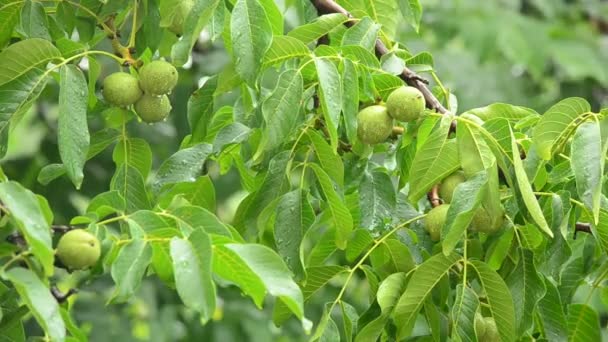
x=405, y=104
x=483, y=222
x=153, y=108
x=435, y=219
x=158, y=78
x=374, y=124
x=449, y=184
x=78, y=249
x=121, y=89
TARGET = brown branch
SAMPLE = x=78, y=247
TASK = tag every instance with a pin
x=433, y=196
x=60, y=296
x=582, y=227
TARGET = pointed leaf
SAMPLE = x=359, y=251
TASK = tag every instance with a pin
x=321, y=26
x=377, y=200
x=183, y=166
x=330, y=94
x=551, y=312
x=583, y=323
x=587, y=160
x=130, y=184
x=363, y=33
x=134, y=152
x=198, y=17
x=463, y=313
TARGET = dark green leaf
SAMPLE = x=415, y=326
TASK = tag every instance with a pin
x=183, y=166
x=377, y=200
x=197, y=19
x=330, y=94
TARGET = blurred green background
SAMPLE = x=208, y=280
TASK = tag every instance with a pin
x=529, y=53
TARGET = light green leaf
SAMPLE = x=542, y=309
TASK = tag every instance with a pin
x=27, y=214
x=364, y=33
x=73, y=131
x=191, y=218
x=135, y=153
x=587, y=159
x=502, y=110
x=463, y=313
x=425, y=278
x=284, y=48
x=557, y=124
x=34, y=22
x=340, y=216
x=251, y=36
x=475, y=155
x=500, y=302
x=600, y=230
x=281, y=109
x=130, y=184
x=350, y=98
x=527, y=193
x=192, y=262
x=107, y=203
x=199, y=193
x=330, y=94
x=377, y=200
x=530, y=288
x=435, y=160
x=583, y=323
x=130, y=265
x=183, y=166
x=386, y=83
x=328, y=158
x=9, y=17
x=257, y=269
x=390, y=290
x=321, y=26
x=294, y=215
x=274, y=15
x=551, y=312
x=39, y=300
x=200, y=109
x=234, y=133
x=412, y=12
x=197, y=19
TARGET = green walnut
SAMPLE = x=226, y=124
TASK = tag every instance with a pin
x=78, y=249
x=374, y=124
x=435, y=219
x=158, y=78
x=490, y=332
x=181, y=13
x=405, y=104
x=449, y=184
x=153, y=108
x=121, y=89
x=483, y=222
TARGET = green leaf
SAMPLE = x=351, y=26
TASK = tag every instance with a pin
x=321, y=26
x=73, y=131
x=107, y=203
x=135, y=153
x=9, y=17
x=27, y=214
x=527, y=193
x=390, y=290
x=466, y=201
x=530, y=288
x=502, y=110
x=183, y=166
x=425, y=278
x=34, y=22
x=24, y=56
x=340, y=216
x=363, y=33
x=587, y=158
x=475, y=154
x=551, y=312
x=39, y=300
x=463, y=313
x=284, y=48
x=274, y=15
x=412, y=12
x=384, y=12
x=197, y=19
x=281, y=108
x=257, y=269
x=350, y=98
x=360, y=241
x=500, y=302
x=251, y=36
x=200, y=109
x=192, y=263
x=199, y=193
x=294, y=215
x=583, y=323
x=377, y=200
x=386, y=83
x=328, y=158
x=130, y=265
x=330, y=95
x=600, y=229
x=130, y=184
x=234, y=133
x=191, y=218
x=327, y=330
x=557, y=124
x=435, y=160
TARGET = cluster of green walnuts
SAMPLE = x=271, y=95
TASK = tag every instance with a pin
x=148, y=94
x=375, y=123
x=78, y=249
x=436, y=217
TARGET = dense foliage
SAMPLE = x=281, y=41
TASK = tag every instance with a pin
x=283, y=170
